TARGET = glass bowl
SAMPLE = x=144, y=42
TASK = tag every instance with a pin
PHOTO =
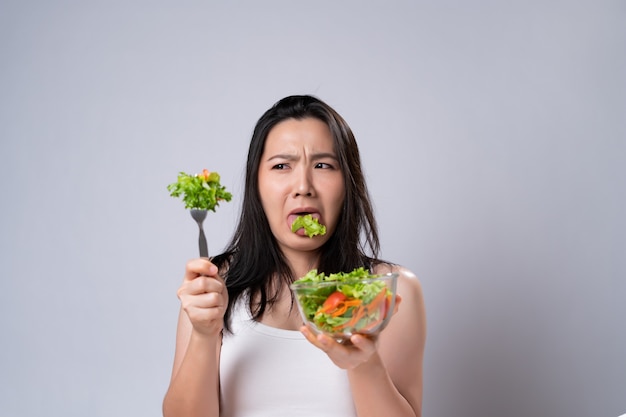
x=340, y=309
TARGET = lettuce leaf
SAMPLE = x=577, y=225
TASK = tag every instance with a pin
x=311, y=226
x=200, y=191
x=354, y=285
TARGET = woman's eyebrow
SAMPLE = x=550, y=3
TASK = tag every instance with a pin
x=284, y=156
x=294, y=157
x=323, y=155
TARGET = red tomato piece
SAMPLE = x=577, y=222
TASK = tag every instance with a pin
x=333, y=301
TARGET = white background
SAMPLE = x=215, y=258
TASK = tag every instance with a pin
x=493, y=136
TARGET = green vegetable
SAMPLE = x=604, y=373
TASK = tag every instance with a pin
x=200, y=191
x=310, y=224
x=364, y=303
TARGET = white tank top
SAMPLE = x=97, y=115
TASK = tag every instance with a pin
x=271, y=372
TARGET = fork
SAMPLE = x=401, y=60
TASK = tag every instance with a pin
x=199, y=216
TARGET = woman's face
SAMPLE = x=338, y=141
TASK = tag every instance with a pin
x=299, y=174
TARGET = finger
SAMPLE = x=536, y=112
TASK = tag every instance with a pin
x=201, y=285
x=200, y=267
x=398, y=302
x=347, y=355
x=204, y=301
x=365, y=344
x=204, y=307
x=308, y=334
x=205, y=284
x=321, y=341
x=327, y=344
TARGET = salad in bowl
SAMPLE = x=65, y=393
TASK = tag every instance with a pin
x=344, y=304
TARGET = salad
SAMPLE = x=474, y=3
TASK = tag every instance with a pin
x=353, y=302
x=201, y=191
x=310, y=224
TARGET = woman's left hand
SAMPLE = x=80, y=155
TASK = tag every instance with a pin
x=344, y=355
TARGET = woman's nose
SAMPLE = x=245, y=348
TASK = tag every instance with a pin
x=303, y=185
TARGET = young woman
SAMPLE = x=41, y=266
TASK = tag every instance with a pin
x=241, y=347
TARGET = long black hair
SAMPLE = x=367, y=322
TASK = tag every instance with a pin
x=253, y=260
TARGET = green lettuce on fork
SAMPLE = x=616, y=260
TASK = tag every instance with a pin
x=201, y=191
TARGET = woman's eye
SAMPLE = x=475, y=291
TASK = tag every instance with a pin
x=323, y=165
x=279, y=166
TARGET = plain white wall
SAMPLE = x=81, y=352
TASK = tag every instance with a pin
x=493, y=136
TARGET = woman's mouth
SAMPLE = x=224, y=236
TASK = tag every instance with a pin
x=294, y=215
x=306, y=223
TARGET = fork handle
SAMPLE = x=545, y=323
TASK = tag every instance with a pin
x=204, y=251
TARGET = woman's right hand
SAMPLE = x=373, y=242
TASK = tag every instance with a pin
x=204, y=297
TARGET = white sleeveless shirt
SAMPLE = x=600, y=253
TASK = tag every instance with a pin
x=271, y=372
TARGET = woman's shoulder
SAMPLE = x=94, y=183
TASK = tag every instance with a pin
x=409, y=286
x=405, y=275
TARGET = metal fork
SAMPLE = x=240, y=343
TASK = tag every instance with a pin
x=199, y=216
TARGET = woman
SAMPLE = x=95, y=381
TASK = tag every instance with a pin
x=241, y=347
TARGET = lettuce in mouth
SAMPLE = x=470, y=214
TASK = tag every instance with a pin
x=310, y=224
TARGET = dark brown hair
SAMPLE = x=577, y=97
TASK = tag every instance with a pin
x=252, y=260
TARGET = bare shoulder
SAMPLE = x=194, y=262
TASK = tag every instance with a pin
x=409, y=284
x=409, y=322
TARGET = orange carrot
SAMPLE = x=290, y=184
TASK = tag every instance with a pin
x=357, y=314
x=340, y=309
x=380, y=297
x=343, y=307
x=362, y=311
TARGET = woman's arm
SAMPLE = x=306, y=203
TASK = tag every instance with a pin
x=386, y=374
x=194, y=386
x=390, y=382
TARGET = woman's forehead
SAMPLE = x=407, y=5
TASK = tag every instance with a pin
x=293, y=136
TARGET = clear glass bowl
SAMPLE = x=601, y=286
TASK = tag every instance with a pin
x=343, y=308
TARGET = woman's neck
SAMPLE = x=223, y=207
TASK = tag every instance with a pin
x=301, y=262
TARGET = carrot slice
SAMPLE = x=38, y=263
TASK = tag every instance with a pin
x=343, y=307
x=363, y=311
